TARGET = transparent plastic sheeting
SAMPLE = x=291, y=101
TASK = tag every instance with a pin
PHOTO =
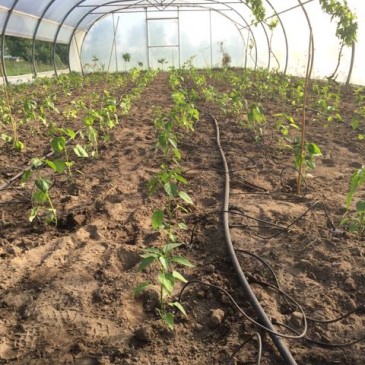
x=76, y=23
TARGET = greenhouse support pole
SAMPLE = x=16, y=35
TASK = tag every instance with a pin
x=115, y=43
x=178, y=37
x=285, y=37
x=35, y=35
x=210, y=38
x=58, y=32
x=10, y=11
x=147, y=41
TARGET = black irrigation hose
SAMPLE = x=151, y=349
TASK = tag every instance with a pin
x=12, y=188
x=248, y=253
x=324, y=344
x=309, y=319
x=259, y=352
x=266, y=323
x=284, y=229
x=327, y=321
x=271, y=330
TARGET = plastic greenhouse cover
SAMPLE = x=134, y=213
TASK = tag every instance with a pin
x=294, y=28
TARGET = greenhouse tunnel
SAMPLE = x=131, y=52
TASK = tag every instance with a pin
x=62, y=36
x=85, y=38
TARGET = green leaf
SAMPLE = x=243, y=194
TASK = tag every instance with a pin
x=360, y=206
x=19, y=146
x=57, y=165
x=313, y=149
x=146, y=262
x=183, y=226
x=168, y=318
x=167, y=281
x=185, y=196
x=177, y=154
x=36, y=162
x=158, y=219
x=80, y=151
x=5, y=137
x=165, y=262
x=171, y=189
x=153, y=250
x=140, y=288
x=58, y=144
x=181, y=179
x=173, y=142
x=169, y=247
x=33, y=214
x=26, y=176
x=357, y=179
x=43, y=184
x=178, y=276
x=353, y=227
x=179, y=307
x=182, y=261
x=71, y=133
x=40, y=197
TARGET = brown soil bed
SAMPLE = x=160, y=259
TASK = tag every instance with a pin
x=65, y=293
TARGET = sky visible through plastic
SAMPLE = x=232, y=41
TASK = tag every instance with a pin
x=199, y=36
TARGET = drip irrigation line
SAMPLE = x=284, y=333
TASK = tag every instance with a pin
x=264, y=319
x=321, y=343
x=14, y=202
x=271, y=330
x=283, y=229
x=202, y=167
x=15, y=189
x=327, y=321
x=248, y=253
x=259, y=352
x=309, y=319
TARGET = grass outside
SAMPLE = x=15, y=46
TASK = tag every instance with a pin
x=14, y=68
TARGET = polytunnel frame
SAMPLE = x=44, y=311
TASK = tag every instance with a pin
x=34, y=69
x=174, y=5
x=198, y=5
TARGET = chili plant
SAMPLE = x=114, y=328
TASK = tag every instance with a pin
x=167, y=278
x=42, y=205
x=8, y=119
x=168, y=180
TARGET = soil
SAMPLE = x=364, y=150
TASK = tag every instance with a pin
x=66, y=291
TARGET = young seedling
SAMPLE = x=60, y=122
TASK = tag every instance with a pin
x=355, y=221
x=43, y=207
x=166, y=278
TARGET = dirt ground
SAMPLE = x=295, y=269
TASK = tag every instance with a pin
x=66, y=292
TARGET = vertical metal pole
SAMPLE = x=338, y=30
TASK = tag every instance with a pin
x=115, y=44
x=147, y=41
x=3, y=41
x=35, y=36
x=78, y=53
x=178, y=36
x=211, y=38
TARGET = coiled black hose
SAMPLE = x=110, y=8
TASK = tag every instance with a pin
x=265, y=321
